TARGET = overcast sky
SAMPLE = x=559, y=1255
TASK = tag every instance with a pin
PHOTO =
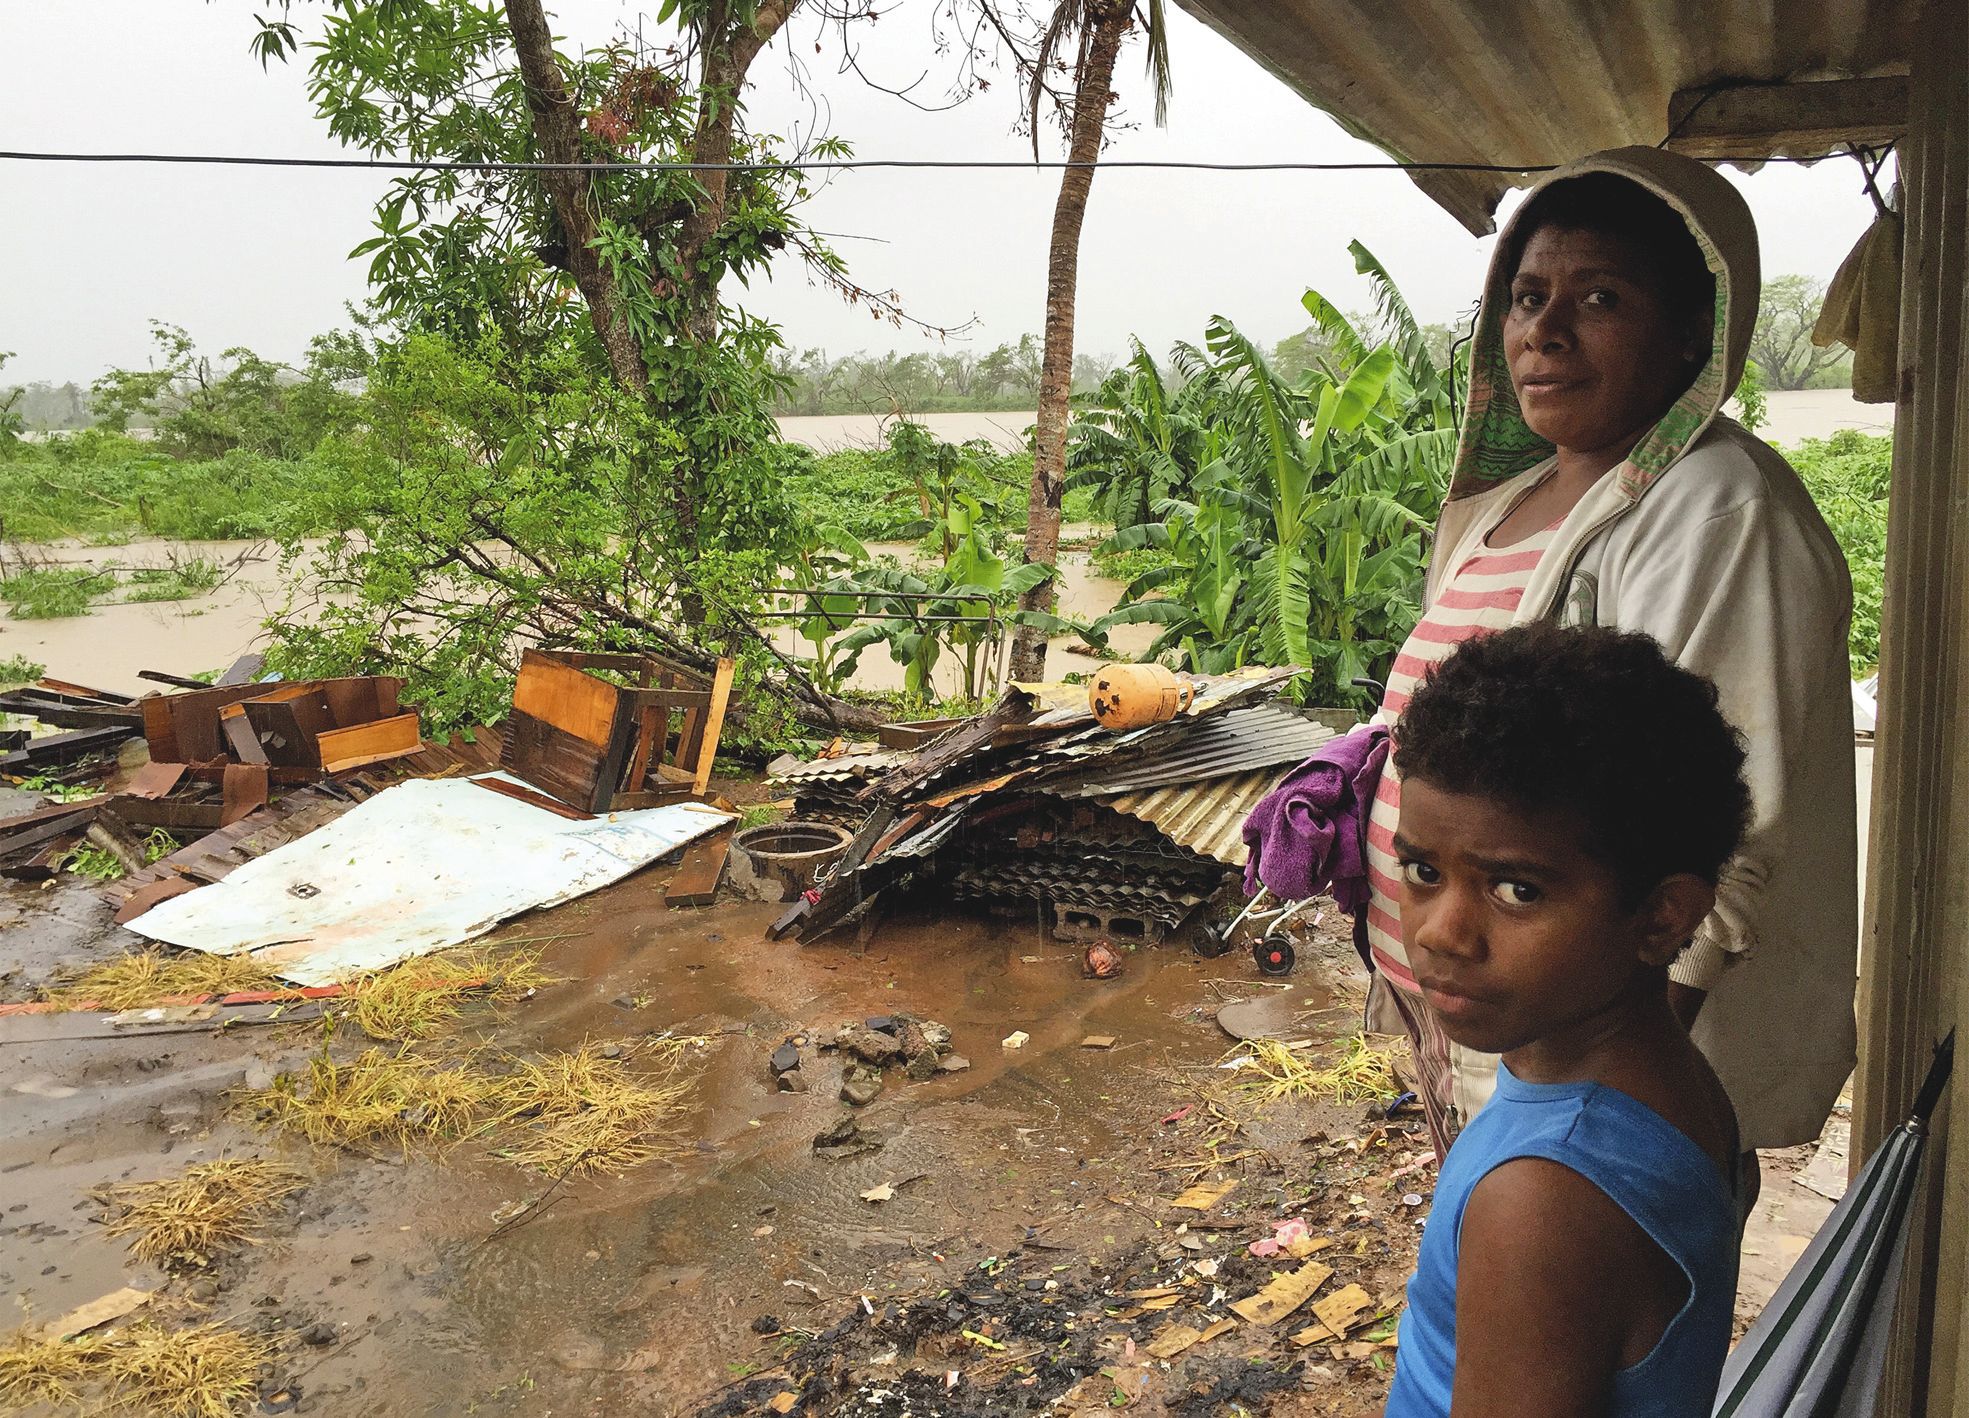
x=259, y=256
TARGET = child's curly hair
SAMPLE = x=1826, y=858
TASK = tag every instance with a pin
x=1595, y=722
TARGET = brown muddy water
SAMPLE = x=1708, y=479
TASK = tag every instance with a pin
x=640, y=1293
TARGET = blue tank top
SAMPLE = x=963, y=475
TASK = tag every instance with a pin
x=1652, y=1171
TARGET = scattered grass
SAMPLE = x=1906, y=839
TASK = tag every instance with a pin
x=208, y=1371
x=146, y=977
x=1360, y=1074
x=587, y=1113
x=54, y=592
x=17, y=670
x=563, y=1114
x=379, y=1096
x=207, y=1210
x=36, y=1369
x=418, y=998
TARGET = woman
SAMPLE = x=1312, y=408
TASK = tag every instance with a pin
x=1596, y=483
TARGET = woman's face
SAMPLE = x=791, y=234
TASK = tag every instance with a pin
x=1596, y=353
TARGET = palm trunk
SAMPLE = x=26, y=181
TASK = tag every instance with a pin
x=1093, y=90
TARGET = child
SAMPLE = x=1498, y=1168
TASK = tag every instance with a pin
x=1567, y=799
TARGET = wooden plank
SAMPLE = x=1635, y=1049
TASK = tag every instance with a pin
x=1754, y=120
x=42, y=865
x=172, y=814
x=67, y=747
x=615, y=753
x=244, y=670
x=721, y=689
x=241, y=736
x=184, y=728
x=117, y=838
x=550, y=759
x=64, y=712
x=913, y=736
x=81, y=691
x=539, y=800
x=175, y=681
x=565, y=699
x=695, y=882
x=651, y=797
x=30, y=829
x=343, y=749
x=646, y=744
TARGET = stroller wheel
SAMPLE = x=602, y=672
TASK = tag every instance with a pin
x=1210, y=942
x=1274, y=956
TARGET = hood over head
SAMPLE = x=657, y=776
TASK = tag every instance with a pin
x=1495, y=443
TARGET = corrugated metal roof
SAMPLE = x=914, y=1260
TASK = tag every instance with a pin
x=1541, y=81
x=1205, y=817
x=1237, y=741
x=823, y=770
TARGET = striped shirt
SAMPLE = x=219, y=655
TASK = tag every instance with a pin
x=1482, y=595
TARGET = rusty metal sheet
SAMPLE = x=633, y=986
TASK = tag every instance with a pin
x=1446, y=81
x=1205, y=817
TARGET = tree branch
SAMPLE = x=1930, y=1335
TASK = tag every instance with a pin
x=557, y=134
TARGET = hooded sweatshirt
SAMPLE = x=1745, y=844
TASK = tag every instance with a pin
x=1705, y=538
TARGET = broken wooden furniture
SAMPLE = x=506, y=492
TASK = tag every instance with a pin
x=603, y=746
x=300, y=732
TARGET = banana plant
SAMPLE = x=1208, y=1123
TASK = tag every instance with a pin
x=966, y=607
x=1302, y=540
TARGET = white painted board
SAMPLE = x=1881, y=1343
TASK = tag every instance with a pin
x=420, y=866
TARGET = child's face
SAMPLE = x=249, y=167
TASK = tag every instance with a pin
x=1513, y=930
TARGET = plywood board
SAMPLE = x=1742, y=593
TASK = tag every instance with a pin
x=550, y=758
x=566, y=699
x=343, y=749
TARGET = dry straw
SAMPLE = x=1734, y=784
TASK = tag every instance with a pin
x=419, y=998
x=564, y=1114
x=208, y=1371
x=1360, y=1074
x=584, y=1112
x=206, y=1211
x=398, y=1097
x=147, y=977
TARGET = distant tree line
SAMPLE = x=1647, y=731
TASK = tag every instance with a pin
x=927, y=381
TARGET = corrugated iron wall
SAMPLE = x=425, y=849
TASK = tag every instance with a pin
x=1915, y=971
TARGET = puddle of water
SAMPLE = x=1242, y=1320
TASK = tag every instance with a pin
x=641, y=1289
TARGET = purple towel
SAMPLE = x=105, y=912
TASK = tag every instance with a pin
x=1309, y=834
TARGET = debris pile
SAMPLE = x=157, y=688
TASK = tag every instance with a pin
x=920, y=1047
x=1035, y=808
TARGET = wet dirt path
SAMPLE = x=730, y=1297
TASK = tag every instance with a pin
x=642, y=1291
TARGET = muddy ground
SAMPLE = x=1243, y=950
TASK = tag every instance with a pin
x=1031, y=1191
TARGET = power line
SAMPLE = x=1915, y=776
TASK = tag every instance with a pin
x=803, y=165
x=812, y=164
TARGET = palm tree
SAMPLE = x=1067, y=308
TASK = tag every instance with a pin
x=1100, y=27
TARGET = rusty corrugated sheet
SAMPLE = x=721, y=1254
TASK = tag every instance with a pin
x=1541, y=81
x=1239, y=740
x=1205, y=817
x=827, y=770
